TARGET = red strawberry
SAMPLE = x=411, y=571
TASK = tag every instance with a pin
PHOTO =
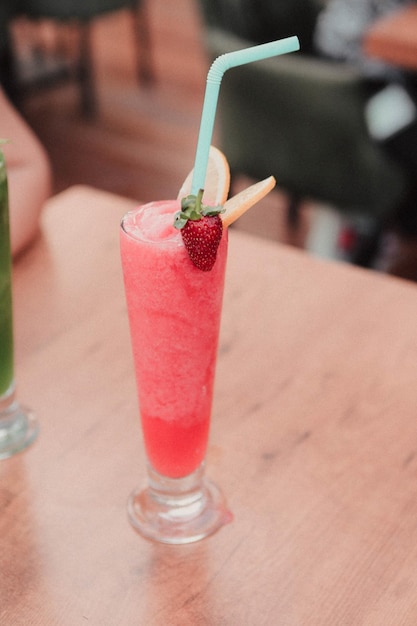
x=201, y=230
x=201, y=239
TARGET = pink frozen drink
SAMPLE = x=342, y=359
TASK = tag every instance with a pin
x=174, y=313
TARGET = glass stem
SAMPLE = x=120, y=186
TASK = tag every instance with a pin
x=178, y=510
x=18, y=426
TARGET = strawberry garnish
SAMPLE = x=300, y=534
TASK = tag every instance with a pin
x=201, y=229
x=201, y=239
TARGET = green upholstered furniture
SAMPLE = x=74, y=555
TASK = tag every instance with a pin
x=298, y=117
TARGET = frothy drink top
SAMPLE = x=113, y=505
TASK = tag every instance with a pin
x=153, y=222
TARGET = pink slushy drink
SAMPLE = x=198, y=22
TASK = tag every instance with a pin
x=174, y=313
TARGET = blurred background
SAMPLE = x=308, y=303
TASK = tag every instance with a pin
x=139, y=139
x=115, y=97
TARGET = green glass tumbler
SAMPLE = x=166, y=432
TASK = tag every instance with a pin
x=18, y=426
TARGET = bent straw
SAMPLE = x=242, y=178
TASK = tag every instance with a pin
x=214, y=78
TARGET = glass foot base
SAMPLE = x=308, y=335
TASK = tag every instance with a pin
x=178, y=510
x=18, y=429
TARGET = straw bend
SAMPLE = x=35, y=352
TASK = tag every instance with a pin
x=214, y=77
x=248, y=55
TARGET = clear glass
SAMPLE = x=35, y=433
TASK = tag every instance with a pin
x=178, y=510
x=18, y=427
x=174, y=313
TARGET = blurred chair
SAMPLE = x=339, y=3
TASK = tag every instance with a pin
x=51, y=65
x=6, y=61
x=297, y=116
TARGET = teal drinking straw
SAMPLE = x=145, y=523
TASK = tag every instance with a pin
x=214, y=78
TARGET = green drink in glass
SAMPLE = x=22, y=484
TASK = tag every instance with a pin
x=18, y=427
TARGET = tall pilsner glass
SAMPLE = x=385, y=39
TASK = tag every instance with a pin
x=174, y=313
x=18, y=427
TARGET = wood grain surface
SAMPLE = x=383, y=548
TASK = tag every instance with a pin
x=313, y=441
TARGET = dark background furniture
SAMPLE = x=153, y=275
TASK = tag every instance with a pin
x=298, y=117
x=47, y=66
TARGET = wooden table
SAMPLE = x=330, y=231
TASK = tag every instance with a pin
x=394, y=38
x=314, y=442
